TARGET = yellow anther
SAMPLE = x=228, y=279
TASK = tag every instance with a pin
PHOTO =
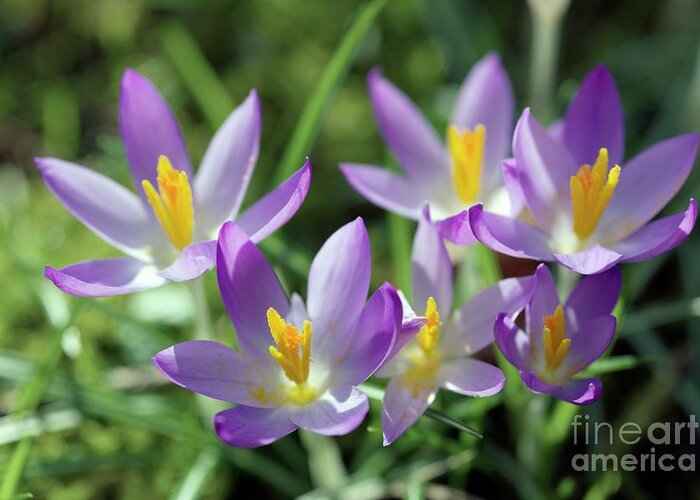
x=554, y=341
x=591, y=190
x=293, y=351
x=467, y=151
x=172, y=203
x=430, y=333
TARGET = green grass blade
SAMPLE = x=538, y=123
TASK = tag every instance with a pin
x=196, y=480
x=334, y=74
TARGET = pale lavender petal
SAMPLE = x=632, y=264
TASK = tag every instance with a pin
x=593, y=296
x=274, y=209
x=512, y=342
x=543, y=303
x=338, y=412
x=227, y=166
x=579, y=391
x=406, y=132
x=193, y=261
x=338, y=286
x=247, y=427
x=149, y=129
x=658, y=237
x=471, y=327
x=486, y=98
x=593, y=260
x=513, y=188
x=471, y=377
x=402, y=405
x=594, y=119
x=589, y=343
x=432, y=268
x=544, y=168
x=104, y=278
x=386, y=189
x=360, y=354
x=108, y=209
x=248, y=288
x=211, y=369
x=647, y=183
x=509, y=236
x=297, y=310
x=411, y=324
x=456, y=229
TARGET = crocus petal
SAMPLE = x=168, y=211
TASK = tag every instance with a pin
x=406, y=132
x=193, y=261
x=338, y=286
x=486, y=98
x=247, y=427
x=432, y=268
x=513, y=188
x=209, y=368
x=647, y=183
x=512, y=342
x=509, y=236
x=543, y=303
x=593, y=260
x=659, y=237
x=402, y=405
x=594, y=119
x=338, y=412
x=579, y=391
x=386, y=189
x=108, y=209
x=149, y=129
x=104, y=278
x=456, y=229
x=471, y=377
x=593, y=296
x=590, y=342
x=228, y=164
x=297, y=310
x=278, y=206
x=369, y=346
x=248, y=288
x=544, y=169
x=471, y=327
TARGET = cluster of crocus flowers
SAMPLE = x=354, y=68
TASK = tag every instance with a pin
x=438, y=356
x=452, y=177
x=299, y=364
x=585, y=208
x=560, y=340
x=168, y=231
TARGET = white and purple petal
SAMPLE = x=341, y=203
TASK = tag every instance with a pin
x=593, y=260
x=512, y=342
x=589, y=343
x=402, y=405
x=432, y=268
x=471, y=377
x=339, y=411
x=193, y=261
x=248, y=427
x=583, y=391
x=592, y=296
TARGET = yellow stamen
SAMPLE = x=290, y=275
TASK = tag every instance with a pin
x=554, y=341
x=467, y=152
x=430, y=333
x=172, y=203
x=591, y=190
x=293, y=351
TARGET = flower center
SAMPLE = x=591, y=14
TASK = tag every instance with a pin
x=467, y=151
x=591, y=190
x=172, y=203
x=430, y=333
x=556, y=345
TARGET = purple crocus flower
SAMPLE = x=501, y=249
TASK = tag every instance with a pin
x=298, y=365
x=589, y=218
x=167, y=231
x=452, y=178
x=438, y=356
x=560, y=341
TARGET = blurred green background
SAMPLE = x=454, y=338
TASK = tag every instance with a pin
x=108, y=426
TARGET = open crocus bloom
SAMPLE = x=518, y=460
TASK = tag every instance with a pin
x=298, y=366
x=585, y=211
x=438, y=355
x=168, y=230
x=561, y=340
x=452, y=178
